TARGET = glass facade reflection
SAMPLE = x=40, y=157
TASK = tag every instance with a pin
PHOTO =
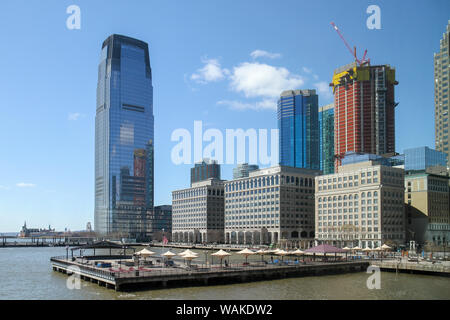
x=422, y=158
x=124, y=139
x=299, y=129
x=326, y=136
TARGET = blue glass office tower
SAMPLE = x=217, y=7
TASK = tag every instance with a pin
x=124, y=139
x=299, y=129
x=422, y=158
x=326, y=138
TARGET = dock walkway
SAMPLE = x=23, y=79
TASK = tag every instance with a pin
x=124, y=280
x=437, y=268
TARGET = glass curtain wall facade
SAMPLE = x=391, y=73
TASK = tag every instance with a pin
x=299, y=129
x=124, y=147
x=423, y=157
x=326, y=136
x=441, y=94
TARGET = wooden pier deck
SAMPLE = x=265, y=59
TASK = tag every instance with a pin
x=149, y=278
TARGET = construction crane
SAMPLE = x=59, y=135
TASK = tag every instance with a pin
x=361, y=62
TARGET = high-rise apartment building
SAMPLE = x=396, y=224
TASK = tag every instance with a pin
x=299, y=129
x=364, y=109
x=272, y=205
x=243, y=170
x=198, y=213
x=124, y=139
x=361, y=205
x=427, y=207
x=326, y=138
x=161, y=222
x=204, y=170
x=441, y=94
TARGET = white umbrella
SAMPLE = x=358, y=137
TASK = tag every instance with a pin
x=346, y=248
x=282, y=253
x=145, y=253
x=356, y=248
x=246, y=252
x=169, y=254
x=298, y=252
x=366, y=249
x=385, y=247
x=378, y=249
x=189, y=256
x=221, y=254
x=261, y=252
x=187, y=251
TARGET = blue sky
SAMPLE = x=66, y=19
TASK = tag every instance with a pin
x=200, y=53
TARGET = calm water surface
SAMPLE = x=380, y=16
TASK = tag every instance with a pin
x=25, y=273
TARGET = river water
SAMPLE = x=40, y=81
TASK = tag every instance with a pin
x=25, y=273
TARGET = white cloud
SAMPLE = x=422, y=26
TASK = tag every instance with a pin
x=306, y=70
x=261, y=53
x=211, y=72
x=263, y=80
x=323, y=88
x=4, y=187
x=25, y=185
x=265, y=104
x=75, y=116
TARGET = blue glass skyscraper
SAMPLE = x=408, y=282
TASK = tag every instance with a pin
x=299, y=129
x=326, y=138
x=124, y=139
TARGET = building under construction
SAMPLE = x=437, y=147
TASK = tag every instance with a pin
x=364, y=109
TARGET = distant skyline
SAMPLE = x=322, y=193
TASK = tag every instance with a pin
x=224, y=63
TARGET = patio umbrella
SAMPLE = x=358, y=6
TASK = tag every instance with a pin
x=187, y=251
x=298, y=252
x=385, y=247
x=346, y=248
x=356, y=248
x=221, y=254
x=282, y=253
x=261, y=252
x=169, y=254
x=189, y=256
x=366, y=249
x=145, y=253
x=246, y=252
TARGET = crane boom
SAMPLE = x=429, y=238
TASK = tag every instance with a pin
x=352, y=52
